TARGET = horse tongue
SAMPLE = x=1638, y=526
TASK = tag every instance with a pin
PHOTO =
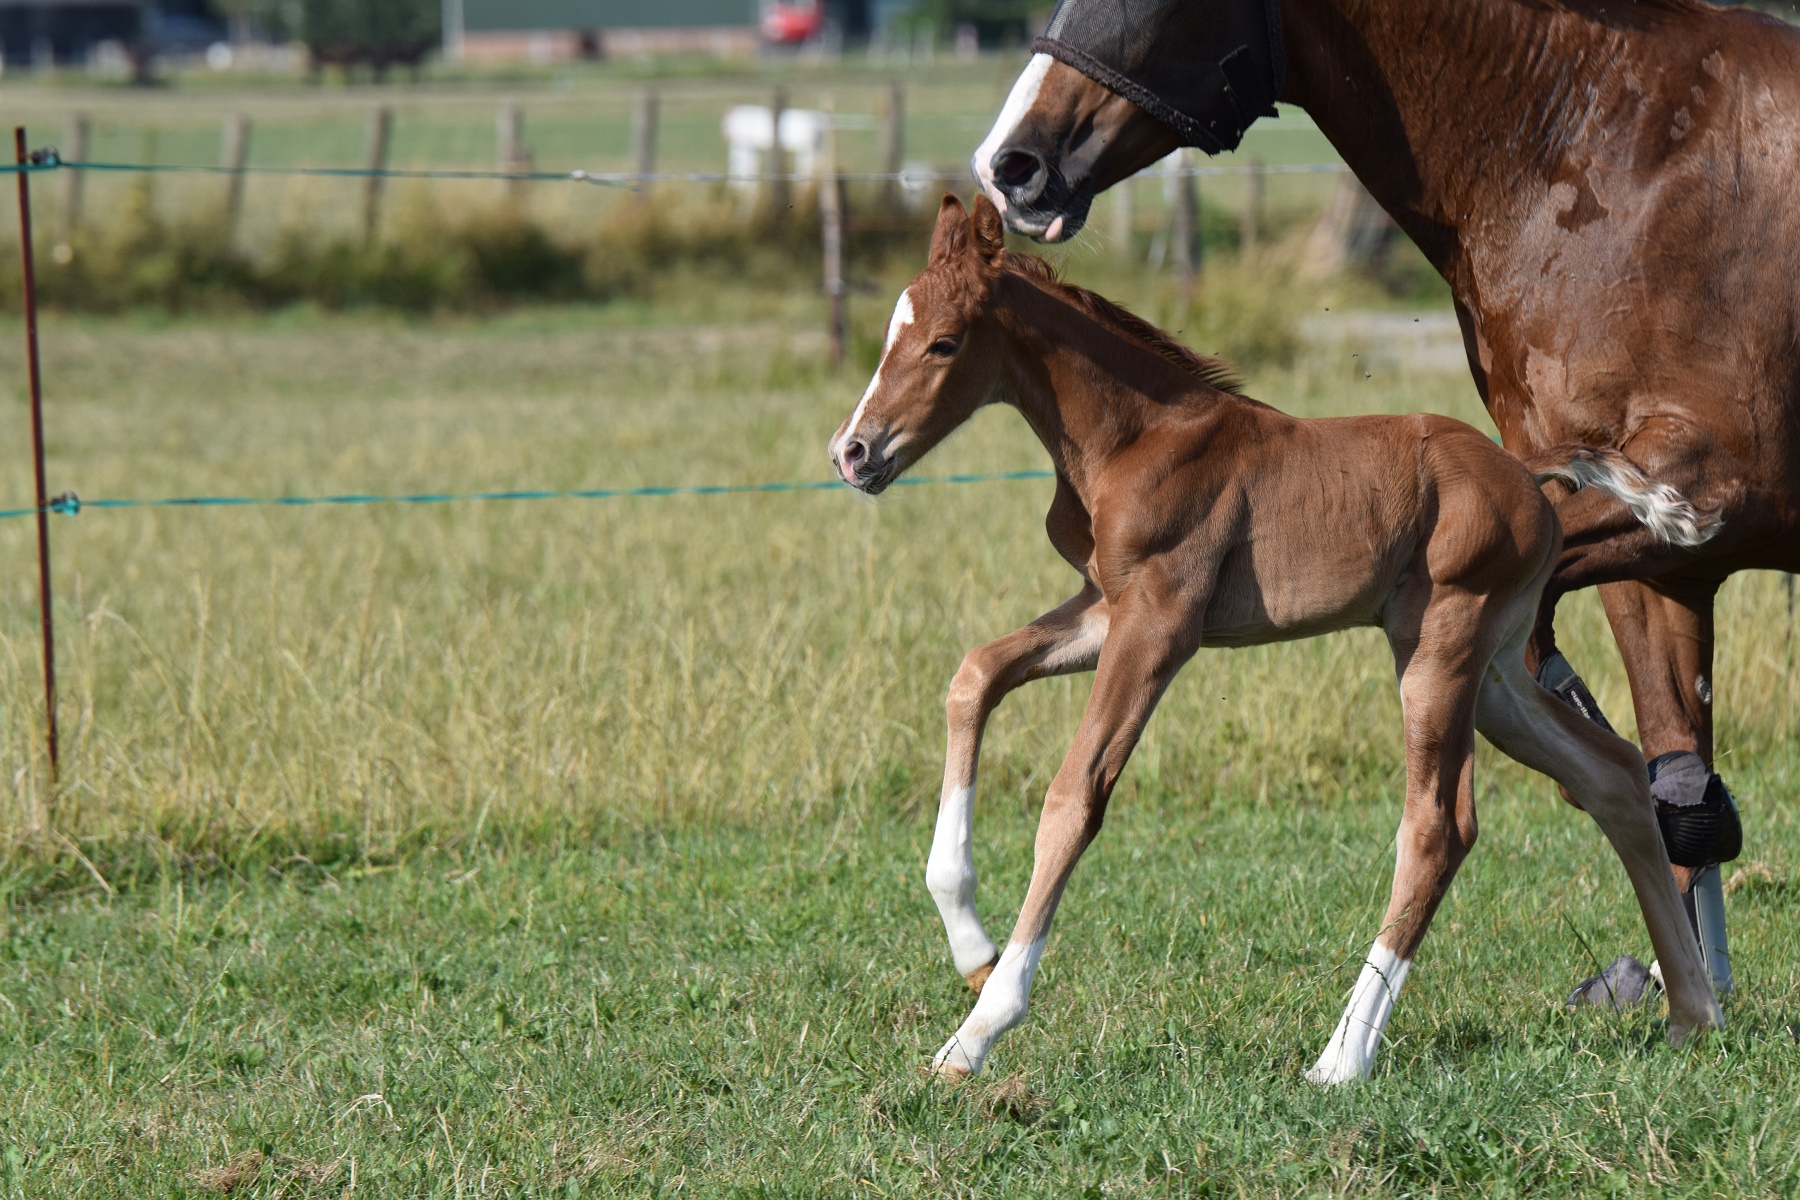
x=1054, y=232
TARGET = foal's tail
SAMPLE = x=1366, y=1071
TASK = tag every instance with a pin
x=1659, y=507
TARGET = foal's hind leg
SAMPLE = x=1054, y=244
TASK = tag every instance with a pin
x=1605, y=775
x=1062, y=641
x=1439, y=676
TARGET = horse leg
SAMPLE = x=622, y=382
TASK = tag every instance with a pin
x=1604, y=775
x=1665, y=634
x=1439, y=676
x=1065, y=640
x=1141, y=656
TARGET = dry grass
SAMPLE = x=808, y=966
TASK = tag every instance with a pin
x=344, y=684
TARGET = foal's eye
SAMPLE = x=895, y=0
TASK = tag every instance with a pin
x=944, y=347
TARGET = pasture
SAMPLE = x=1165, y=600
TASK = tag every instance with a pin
x=577, y=848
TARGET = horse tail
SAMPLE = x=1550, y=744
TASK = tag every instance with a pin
x=1657, y=506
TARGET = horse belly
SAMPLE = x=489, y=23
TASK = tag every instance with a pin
x=1280, y=594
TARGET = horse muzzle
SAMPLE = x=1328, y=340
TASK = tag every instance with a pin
x=863, y=468
x=1033, y=194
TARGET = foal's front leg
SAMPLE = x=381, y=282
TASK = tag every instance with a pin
x=1141, y=656
x=1064, y=640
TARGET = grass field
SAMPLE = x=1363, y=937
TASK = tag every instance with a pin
x=575, y=118
x=577, y=848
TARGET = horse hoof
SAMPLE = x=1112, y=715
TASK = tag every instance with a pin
x=978, y=978
x=944, y=1072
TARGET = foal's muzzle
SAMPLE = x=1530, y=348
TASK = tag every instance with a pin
x=861, y=468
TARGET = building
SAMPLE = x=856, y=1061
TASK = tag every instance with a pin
x=559, y=30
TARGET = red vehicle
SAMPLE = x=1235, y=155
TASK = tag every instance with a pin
x=792, y=24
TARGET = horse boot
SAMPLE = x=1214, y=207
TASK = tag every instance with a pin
x=1557, y=677
x=1700, y=826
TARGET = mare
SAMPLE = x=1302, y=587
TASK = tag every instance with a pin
x=1608, y=188
x=1196, y=516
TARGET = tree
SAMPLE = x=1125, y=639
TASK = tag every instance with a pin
x=381, y=33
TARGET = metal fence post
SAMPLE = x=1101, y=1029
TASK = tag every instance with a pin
x=28, y=273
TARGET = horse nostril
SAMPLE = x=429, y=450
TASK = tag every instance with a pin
x=1015, y=168
x=853, y=453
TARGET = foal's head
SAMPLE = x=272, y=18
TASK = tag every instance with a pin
x=940, y=360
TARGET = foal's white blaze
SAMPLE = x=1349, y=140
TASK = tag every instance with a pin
x=1018, y=102
x=903, y=316
x=1351, y=1052
x=1002, y=1005
x=950, y=874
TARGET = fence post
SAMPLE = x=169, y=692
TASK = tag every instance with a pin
x=1184, y=227
x=777, y=191
x=643, y=138
x=74, y=182
x=831, y=224
x=381, y=132
x=509, y=129
x=1122, y=216
x=234, y=152
x=28, y=275
x=1250, y=227
x=893, y=144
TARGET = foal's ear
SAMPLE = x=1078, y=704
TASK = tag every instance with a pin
x=990, y=231
x=951, y=236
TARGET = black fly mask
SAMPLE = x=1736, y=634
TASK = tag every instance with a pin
x=1204, y=68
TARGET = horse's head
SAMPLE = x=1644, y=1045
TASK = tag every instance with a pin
x=936, y=364
x=1113, y=86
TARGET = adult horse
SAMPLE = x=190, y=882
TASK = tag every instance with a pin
x=1607, y=187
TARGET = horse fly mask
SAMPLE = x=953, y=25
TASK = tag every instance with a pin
x=1204, y=68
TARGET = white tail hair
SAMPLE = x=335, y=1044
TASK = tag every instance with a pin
x=1657, y=506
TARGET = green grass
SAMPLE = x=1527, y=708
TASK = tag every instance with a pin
x=577, y=848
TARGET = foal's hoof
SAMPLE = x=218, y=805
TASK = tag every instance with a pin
x=1625, y=983
x=944, y=1072
x=978, y=978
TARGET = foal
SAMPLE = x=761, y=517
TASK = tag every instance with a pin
x=1197, y=516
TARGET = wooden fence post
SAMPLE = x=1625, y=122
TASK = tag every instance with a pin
x=514, y=156
x=1122, y=217
x=893, y=144
x=1250, y=226
x=777, y=191
x=1184, y=226
x=831, y=224
x=643, y=138
x=380, y=134
x=234, y=153
x=75, y=149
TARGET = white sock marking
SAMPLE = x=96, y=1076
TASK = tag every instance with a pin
x=1002, y=1005
x=950, y=874
x=903, y=316
x=1351, y=1052
x=1018, y=102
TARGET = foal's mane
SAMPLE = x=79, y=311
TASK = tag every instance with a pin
x=1214, y=372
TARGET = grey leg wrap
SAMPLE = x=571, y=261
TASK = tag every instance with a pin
x=1557, y=677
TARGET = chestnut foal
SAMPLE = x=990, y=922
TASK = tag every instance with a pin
x=1197, y=516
